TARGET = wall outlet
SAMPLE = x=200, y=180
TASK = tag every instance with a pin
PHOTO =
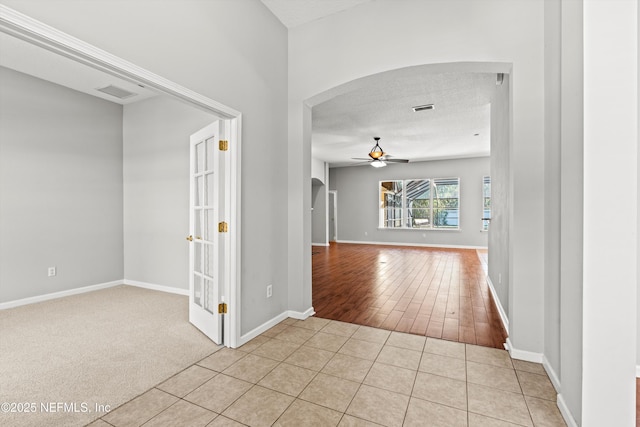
x=366, y=233
x=499, y=278
x=269, y=291
x=51, y=271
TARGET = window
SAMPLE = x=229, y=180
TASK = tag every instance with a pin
x=486, y=202
x=391, y=204
x=420, y=203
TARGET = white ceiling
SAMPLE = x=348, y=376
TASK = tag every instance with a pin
x=459, y=125
x=344, y=127
x=297, y=12
x=29, y=59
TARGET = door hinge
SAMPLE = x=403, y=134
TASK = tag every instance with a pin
x=223, y=227
x=224, y=145
x=222, y=308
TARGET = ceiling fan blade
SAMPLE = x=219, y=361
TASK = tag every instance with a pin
x=360, y=158
x=396, y=160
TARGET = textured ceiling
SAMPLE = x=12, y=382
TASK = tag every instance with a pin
x=297, y=12
x=344, y=126
x=38, y=62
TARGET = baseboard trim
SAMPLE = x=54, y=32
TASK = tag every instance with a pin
x=319, y=244
x=565, y=412
x=55, y=295
x=496, y=301
x=300, y=315
x=637, y=371
x=154, y=287
x=421, y=245
x=528, y=356
x=551, y=373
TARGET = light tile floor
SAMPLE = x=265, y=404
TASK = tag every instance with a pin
x=320, y=372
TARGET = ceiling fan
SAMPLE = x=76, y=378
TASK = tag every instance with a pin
x=379, y=158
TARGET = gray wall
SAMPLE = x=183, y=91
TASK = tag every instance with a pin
x=156, y=189
x=357, y=192
x=571, y=207
x=60, y=188
x=552, y=160
x=500, y=192
x=234, y=52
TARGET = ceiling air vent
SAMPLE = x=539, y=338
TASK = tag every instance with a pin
x=117, y=92
x=423, y=107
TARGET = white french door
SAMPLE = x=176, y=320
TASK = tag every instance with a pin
x=208, y=237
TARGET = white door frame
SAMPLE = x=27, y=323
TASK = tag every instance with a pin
x=35, y=32
x=333, y=194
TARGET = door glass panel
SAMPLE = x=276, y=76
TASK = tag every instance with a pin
x=197, y=197
x=197, y=257
x=197, y=290
x=209, y=225
x=209, y=191
x=197, y=220
x=200, y=157
x=210, y=152
x=208, y=260
x=208, y=295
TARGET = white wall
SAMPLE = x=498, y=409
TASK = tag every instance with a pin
x=610, y=269
x=385, y=35
x=60, y=188
x=358, y=210
x=234, y=52
x=156, y=189
x=318, y=170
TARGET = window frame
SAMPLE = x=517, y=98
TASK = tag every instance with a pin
x=486, y=179
x=404, y=219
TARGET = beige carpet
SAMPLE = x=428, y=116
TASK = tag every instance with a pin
x=99, y=348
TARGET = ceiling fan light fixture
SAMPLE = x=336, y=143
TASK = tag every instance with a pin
x=378, y=164
x=376, y=152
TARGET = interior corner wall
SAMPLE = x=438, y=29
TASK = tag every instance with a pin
x=571, y=206
x=498, y=239
x=234, y=52
x=340, y=48
x=60, y=188
x=358, y=210
x=156, y=189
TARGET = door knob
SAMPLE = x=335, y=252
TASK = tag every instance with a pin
x=190, y=238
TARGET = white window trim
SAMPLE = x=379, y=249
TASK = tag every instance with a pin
x=482, y=229
x=404, y=198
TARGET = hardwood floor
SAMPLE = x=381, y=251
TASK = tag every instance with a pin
x=440, y=293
